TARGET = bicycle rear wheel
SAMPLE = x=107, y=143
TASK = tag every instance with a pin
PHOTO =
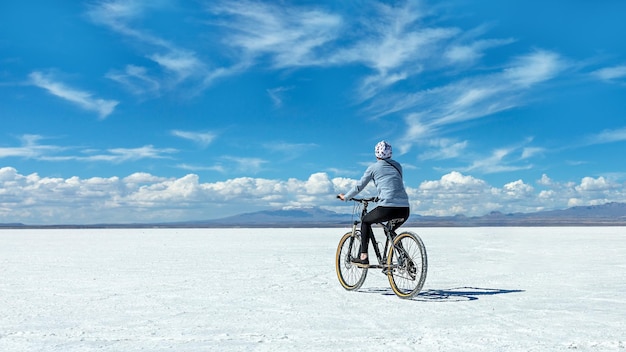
x=350, y=275
x=408, y=265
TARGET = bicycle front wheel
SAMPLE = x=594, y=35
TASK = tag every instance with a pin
x=350, y=275
x=407, y=264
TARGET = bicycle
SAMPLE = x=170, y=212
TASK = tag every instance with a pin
x=404, y=259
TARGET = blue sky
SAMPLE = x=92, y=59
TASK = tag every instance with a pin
x=133, y=111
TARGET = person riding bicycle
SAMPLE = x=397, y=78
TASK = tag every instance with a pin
x=393, y=201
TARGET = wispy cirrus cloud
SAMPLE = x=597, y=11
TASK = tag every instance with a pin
x=246, y=164
x=137, y=79
x=610, y=73
x=195, y=168
x=29, y=148
x=465, y=53
x=114, y=155
x=288, y=36
x=203, y=139
x=175, y=65
x=82, y=99
x=290, y=150
x=506, y=159
x=394, y=43
x=607, y=136
x=119, y=155
x=276, y=95
x=32, y=148
x=498, y=161
x=119, y=15
x=443, y=148
x=428, y=112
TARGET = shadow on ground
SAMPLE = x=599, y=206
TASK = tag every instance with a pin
x=456, y=294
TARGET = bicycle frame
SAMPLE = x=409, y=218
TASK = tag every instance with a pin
x=390, y=234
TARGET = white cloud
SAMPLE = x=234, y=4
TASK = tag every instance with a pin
x=83, y=99
x=115, y=155
x=203, y=139
x=529, y=152
x=534, y=68
x=517, y=190
x=319, y=184
x=471, y=52
x=456, y=182
x=590, y=184
x=142, y=178
x=501, y=160
x=177, y=65
x=290, y=36
x=189, y=167
x=608, y=136
x=142, y=197
x=610, y=73
x=136, y=79
x=247, y=164
x=429, y=112
x=32, y=149
x=443, y=149
x=276, y=95
x=117, y=14
x=394, y=43
x=182, y=62
x=289, y=150
x=126, y=154
x=545, y=180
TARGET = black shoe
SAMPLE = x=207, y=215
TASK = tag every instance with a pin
x=361, y=262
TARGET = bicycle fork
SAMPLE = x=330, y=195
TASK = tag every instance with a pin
x=354, y=231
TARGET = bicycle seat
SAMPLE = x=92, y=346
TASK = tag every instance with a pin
x=393, y=222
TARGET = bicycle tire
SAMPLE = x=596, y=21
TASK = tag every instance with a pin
x=350, y=276
x=408, y=265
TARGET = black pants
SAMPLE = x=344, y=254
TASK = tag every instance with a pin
x=380, y=214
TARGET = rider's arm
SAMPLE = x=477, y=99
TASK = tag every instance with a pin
x=360, y=185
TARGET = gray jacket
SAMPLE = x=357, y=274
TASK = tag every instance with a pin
x=387, y=177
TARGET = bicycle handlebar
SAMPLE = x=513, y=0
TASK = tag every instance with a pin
x=363, y=200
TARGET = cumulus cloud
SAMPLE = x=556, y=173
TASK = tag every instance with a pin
x=142, y=197
x=517, y=190
x=456, y=193
x=83, y=99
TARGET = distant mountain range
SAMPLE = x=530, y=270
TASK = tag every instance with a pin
x=609, y=214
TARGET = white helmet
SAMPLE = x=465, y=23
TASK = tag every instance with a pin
x=383, y=150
